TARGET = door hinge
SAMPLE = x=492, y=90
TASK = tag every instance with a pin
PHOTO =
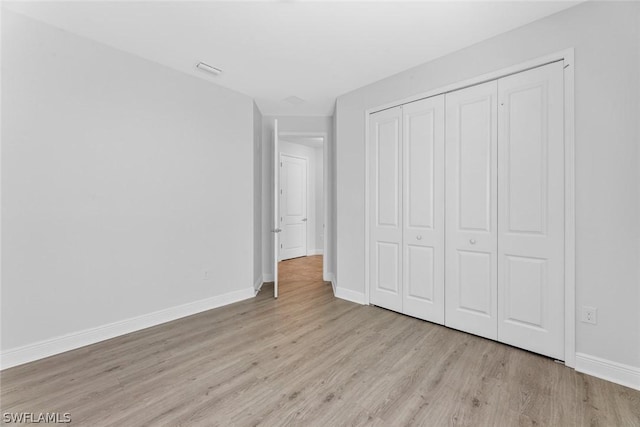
x=280, y=164
x=280, y=245
x=281, y=191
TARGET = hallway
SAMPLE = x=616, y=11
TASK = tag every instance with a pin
x=297, y=274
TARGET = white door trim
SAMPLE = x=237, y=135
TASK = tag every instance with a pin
x=275, y=160
x=326, y=247
x=569, y=176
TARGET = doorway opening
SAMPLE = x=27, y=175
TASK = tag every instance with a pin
x=300, y=206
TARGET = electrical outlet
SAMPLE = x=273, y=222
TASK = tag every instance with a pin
x=590, y=315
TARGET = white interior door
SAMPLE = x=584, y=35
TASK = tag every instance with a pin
x=293, y=206
x=423, y=209
x=531, y=210
x=385, y=137
x=471, y=209
x=276, y=207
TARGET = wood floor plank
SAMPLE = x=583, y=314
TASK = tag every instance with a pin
x=310, y=359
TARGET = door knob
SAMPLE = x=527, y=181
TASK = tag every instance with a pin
x=419, y=237
x=277, y=230
x=304, y=219
x=472, y=241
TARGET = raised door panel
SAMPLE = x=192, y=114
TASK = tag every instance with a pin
x=471, y=210
x=419, y=278
x=387, y=263
x=423, y=209
x=531, y=210
x=474, y=286
x=295, y=182
x=387, y=171
x=420, y=157
x=527, y=286
x=474, y=163
x=385, y=252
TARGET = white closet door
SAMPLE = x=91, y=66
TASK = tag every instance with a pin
x=423, y=209
x=471, y=188
x=385, y=136
x=531, y=210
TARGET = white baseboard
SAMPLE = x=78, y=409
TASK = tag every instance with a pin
x=332, y=278
x=52, y=346
x=312, y=252
x=267, y=277
x=615, y=372
x=257, y=285
x=349, y=295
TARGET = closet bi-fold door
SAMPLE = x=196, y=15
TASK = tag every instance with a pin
x=471, y=210
x=423, y=209
x=531, y=210
x=385, y=150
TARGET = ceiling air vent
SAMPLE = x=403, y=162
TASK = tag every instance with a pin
x=208, y=68
x=294, y=100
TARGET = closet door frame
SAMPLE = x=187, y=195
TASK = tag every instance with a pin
x=567, y=56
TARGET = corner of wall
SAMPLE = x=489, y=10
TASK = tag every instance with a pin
x=348, y=294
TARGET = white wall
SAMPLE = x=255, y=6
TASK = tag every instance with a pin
x=122, y=181
x=257, y=197
x=314, y=197
x=605, y=38
x=286, y=124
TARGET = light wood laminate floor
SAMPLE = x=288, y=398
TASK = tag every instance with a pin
x=310, y=359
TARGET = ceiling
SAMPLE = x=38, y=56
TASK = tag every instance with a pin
x=282, y=53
